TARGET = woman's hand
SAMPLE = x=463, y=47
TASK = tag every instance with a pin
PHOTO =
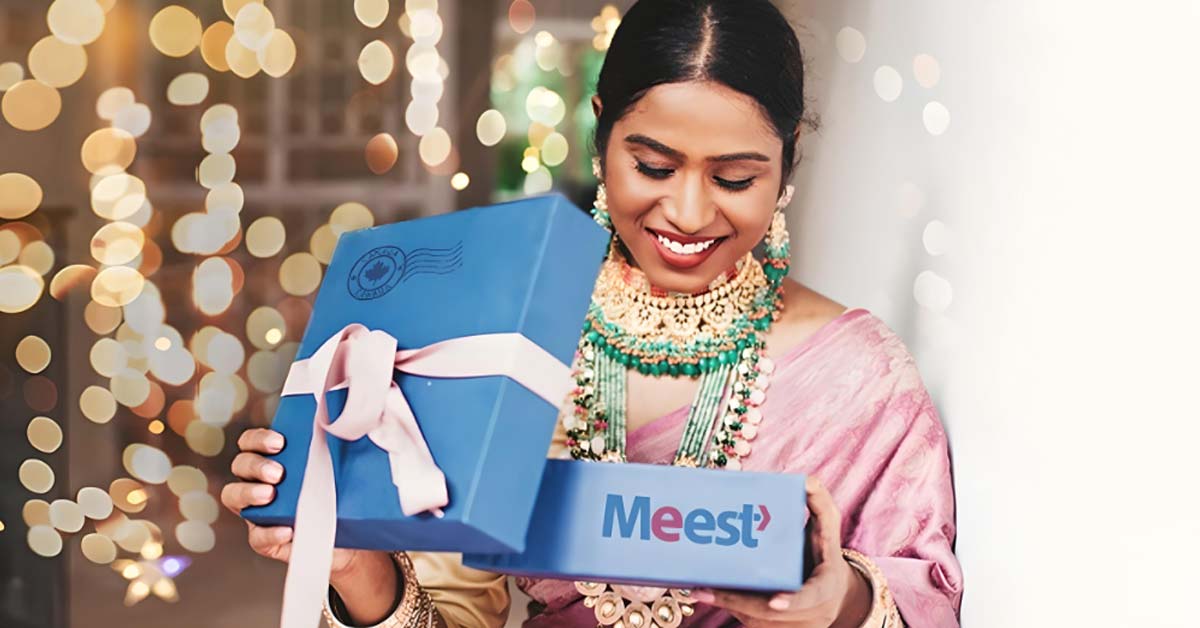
x=365, y=580
x=835, y=594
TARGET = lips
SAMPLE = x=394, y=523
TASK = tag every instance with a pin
x=683, y=251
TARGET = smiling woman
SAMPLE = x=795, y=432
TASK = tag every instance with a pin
x=700, y=106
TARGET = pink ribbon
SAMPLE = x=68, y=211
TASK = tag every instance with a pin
x=362, y=360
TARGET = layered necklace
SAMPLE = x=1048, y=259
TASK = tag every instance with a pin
x=715, y=336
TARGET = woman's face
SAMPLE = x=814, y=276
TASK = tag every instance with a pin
x=693, y=173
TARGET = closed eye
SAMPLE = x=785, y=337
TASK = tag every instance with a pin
x=654, y=173
x=737, y=185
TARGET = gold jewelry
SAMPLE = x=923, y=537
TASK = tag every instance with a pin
x=786, y=197
x=884, y=613
x=647, y=607
x=415, y=610
x=623, y=297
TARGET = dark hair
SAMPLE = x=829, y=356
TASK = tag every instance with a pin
x=746, y=45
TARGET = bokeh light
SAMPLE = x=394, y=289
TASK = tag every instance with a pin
x=33, y=354
x=175, y=31
x=108, y=151
x=57, y=63
x=20, y=288
x=113, y=100
x=31, y=105
x=20, y=195
x=253, y=25
x=213, y=43
x=97, y=404
x=278, y=54
x=117, y=285
x=76, y=21
x=71, y=278
x=491, y=127
x=376, y=62
x=350, y=217
x=36, y=476
x=371, y=13
x=381, y=153
x=44, y=434
x=189, y=88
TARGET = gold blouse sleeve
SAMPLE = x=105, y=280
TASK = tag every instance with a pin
x=462, y=596
x=465, y=597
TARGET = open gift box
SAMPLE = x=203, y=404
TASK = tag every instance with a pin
x=660, y=525
x=505, y=290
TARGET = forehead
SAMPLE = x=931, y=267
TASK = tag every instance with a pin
x=700, y=118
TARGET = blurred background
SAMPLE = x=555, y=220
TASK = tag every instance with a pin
x=1009, y=186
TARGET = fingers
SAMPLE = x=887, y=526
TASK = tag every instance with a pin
x=238, y=495
x=261, y=440
x=820, y=589
x=826, y=518
x=744, y=603
x=273, y=542
x=249, y=466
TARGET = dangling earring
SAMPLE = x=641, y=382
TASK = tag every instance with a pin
x=600, y=207
x=778, y=252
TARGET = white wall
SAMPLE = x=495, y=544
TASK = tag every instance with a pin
x=1066, y=362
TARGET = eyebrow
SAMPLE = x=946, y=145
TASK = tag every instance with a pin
x=658, y=146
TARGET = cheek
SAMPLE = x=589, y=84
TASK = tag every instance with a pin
x=629, y=194
x=750, y=214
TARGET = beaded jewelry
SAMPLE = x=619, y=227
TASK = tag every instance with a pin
x=715, y=336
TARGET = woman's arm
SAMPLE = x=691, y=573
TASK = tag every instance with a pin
x=906, y=525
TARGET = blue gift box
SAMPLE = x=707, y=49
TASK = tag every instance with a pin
x=528, y=267
x=660, y=525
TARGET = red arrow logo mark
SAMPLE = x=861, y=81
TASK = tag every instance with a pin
x=766, y=517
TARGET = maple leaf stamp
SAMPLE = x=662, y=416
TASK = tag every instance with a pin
x=383, y=268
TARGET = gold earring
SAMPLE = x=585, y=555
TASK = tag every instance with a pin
x=600, y=206
x=786, y=197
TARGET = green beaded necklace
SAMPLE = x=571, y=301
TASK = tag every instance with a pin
x=733, y=371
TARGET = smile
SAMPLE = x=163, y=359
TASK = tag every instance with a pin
x=681, y=251
x=680, y=248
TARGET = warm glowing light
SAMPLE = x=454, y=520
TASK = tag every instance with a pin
x=278, y=54
x=376, y=62
x=57, y=63
x=434, y=147
x=109, y=150
x=253, y=25
x=189, y=88
x=20, y=195
x=76, y=21
x=20, y=288
x=212, y=45
x=265, y=237
x=156, y=427
x=31, y=105
x=371, y=13
x=175, y=31
x=381, y=153
x=33, y=354
x=460, y=181
x=349, y=217
x=491, y=127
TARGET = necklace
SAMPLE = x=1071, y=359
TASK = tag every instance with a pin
x=714, y=336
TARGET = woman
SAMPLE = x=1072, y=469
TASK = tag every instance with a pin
x=700, y=106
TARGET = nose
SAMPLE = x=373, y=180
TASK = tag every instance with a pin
x=690, y=208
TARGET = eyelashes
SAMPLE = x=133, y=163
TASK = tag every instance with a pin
x=660, y=174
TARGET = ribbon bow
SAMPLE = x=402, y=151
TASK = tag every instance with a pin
x=363, y=361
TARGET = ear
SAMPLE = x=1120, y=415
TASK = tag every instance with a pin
x=597, y=106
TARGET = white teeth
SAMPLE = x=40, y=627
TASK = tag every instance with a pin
x=684, y=249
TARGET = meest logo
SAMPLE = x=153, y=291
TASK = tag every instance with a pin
x=700, y=526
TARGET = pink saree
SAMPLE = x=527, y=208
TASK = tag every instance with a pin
x=847, y=406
